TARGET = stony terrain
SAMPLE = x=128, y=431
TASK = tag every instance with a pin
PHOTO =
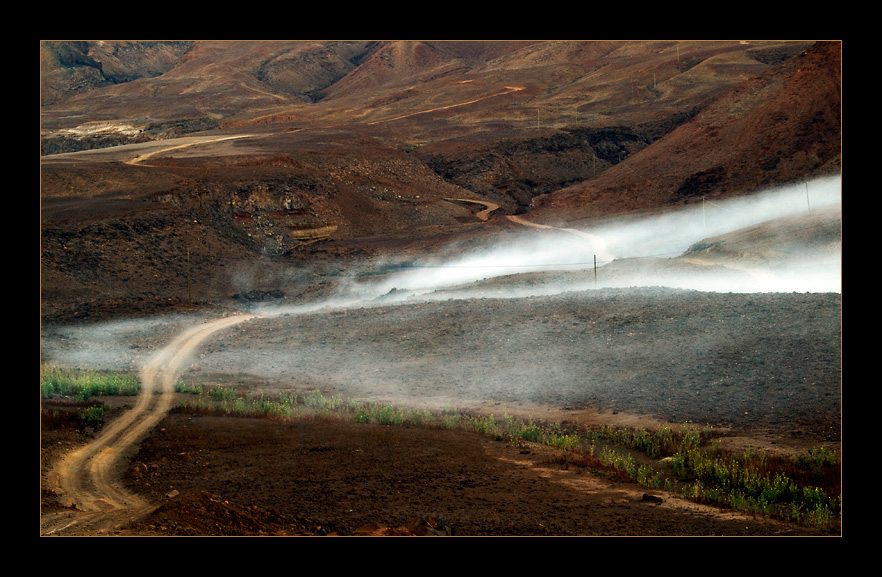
x=761, y=369
x=283, y=186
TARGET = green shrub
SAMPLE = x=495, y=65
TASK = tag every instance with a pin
x=93, y=415
x=184, y=388
x=222, y=393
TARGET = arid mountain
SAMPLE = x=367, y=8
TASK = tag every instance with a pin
x=777, y=128
x=71, y=68
x=555, y=84
x=307, y=150
x=388, y=215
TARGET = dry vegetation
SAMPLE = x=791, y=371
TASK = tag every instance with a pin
x=295, y=167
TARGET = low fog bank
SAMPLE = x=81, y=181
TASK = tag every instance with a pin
x=676, y=354
x=120, y=345
x=392, y=344
x=671, y=233
x=695, y=307
x=680, y=355
x=632, y=251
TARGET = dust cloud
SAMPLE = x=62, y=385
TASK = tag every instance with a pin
x=515, y=321
x=642, y=250
x=710, y=247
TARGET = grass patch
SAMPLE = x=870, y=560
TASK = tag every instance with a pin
x=805, y=489
x=227, y=401
x=685, y=460
x=84, y=384
x=72, y=414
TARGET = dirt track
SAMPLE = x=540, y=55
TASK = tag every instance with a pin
x=762, y=368
x=89, y=478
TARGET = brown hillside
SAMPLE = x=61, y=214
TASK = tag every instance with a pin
x=70, y=68
x=780, y=127
x=300, y=248
x=277, y=140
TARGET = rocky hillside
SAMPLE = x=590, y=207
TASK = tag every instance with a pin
x=348, y=149
x=782, y=126
x=71, y=68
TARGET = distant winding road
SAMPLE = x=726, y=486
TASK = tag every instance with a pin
x=506, y=90
x=88, y=479
x=489, y=207
x=143, y=157
x=597, y=243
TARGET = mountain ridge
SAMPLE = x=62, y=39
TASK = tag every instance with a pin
x=371, y=140
x=776, y=128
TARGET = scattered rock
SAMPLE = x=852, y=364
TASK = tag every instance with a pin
x=430, y=527
x=259, y=295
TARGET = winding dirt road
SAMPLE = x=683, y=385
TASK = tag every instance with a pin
x=505, y=91
x=88, y=479
x=484, y=215
x=191, y=142
x=597, y=243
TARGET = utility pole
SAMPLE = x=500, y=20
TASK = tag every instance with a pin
x=189, y=290
x=807, y=197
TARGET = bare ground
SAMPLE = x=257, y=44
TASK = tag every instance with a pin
x=762, y=369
